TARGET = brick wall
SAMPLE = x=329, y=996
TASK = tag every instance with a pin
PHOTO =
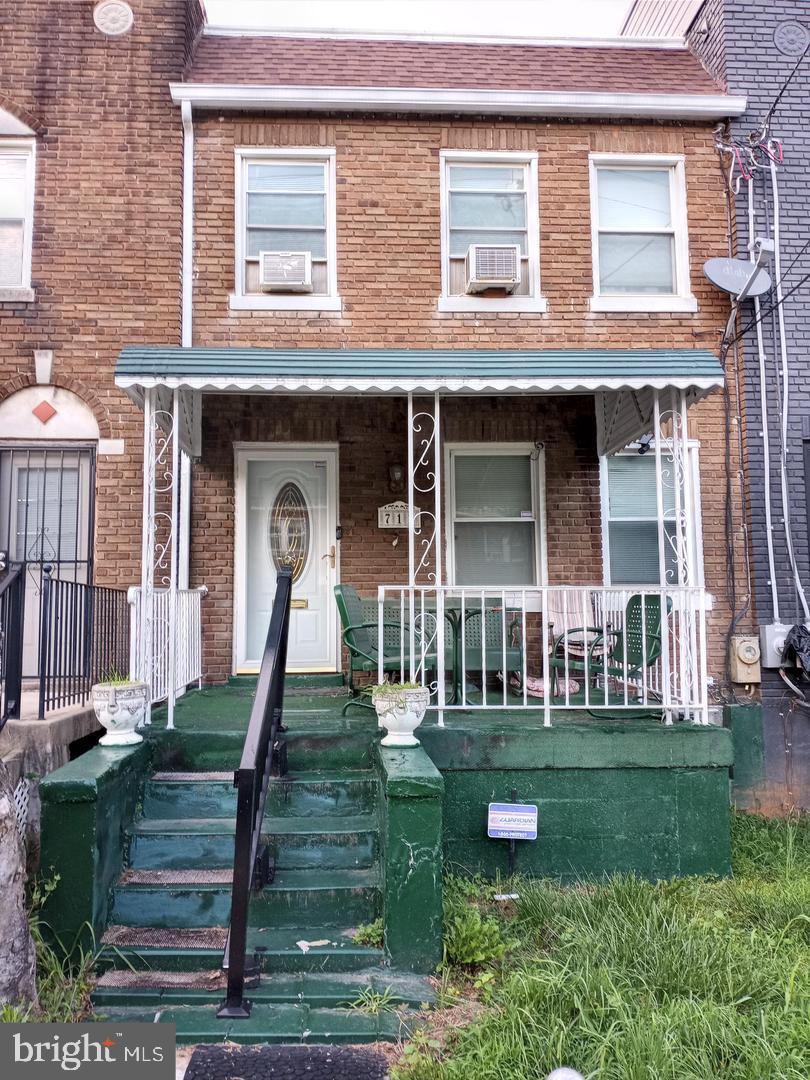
x=106, y=228
x=388, y=276
x=755, y=67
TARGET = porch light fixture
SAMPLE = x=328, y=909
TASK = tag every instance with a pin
x=396, y=477
x=644, y=443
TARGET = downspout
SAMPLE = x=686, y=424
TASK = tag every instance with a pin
x=186, y=313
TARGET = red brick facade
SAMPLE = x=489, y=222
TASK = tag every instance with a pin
x=107, y=265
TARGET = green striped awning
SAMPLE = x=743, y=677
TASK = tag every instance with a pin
x=337, y=371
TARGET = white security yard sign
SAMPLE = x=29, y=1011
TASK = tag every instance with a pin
x=512, y=821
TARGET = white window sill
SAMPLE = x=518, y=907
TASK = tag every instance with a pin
x=493, y=304
x=301, y=302
x=643, y=303
x=19, y=294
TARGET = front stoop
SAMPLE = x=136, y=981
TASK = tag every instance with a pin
x=170, y=907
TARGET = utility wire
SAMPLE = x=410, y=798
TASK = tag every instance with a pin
x=767, y=311
x=785, y=85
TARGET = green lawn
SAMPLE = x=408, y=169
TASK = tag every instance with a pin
x=626, y=980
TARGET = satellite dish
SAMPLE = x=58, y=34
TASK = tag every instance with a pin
x=731, y=275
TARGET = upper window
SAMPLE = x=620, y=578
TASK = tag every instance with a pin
x=490, y=204
x=494, y=516
x=285, y=230
x=16, y=217
x=638, y=219
x=630, y=519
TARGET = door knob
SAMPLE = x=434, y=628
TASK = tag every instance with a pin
x=330, y=555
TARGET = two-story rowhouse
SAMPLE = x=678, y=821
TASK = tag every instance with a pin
x=443, y=352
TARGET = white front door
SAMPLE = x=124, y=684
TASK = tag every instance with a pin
x=287, y=516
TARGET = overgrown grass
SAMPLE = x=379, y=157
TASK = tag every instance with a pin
x=625, y=980
x=64, y=973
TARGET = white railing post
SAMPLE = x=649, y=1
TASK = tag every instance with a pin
x=411, y=546
x=174, y=533
x=147, y=539
x=437, y=541
x=662, y=558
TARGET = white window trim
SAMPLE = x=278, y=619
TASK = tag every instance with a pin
x=23, y=293
x=693, y=450
x=682, y=299
x=241, y=301
x=536, y=456
x=534, y=301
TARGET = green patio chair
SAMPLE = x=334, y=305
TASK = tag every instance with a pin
x=622, y=654
x=484, y=645
x=360, y=632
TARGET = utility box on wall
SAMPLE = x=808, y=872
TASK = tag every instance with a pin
x=744, y=659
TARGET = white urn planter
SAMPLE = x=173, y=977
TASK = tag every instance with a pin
x=120, y=708
x=400, y=711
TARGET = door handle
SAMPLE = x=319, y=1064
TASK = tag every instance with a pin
x=330, y=555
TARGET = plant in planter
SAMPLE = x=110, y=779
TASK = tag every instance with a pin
x=400, y=710
x=120, y=705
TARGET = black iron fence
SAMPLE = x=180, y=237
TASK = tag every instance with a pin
x=263, y=755
x=12, y=617
x=83, y=637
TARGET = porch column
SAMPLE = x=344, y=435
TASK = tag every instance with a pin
x=426, y=628
x=675, y=501
x=157, y=626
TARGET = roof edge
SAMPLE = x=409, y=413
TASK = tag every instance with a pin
x=334, y=34
x=436, y=100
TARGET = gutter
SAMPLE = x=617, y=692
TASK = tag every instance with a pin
x=433, y=100
x=187, y=262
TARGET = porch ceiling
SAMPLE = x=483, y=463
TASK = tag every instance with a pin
x=622, y=380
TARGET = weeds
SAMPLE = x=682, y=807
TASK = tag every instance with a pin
x=370, y=935
x=628, y=980
x=374, y=1002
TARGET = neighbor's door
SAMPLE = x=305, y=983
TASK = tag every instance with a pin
x=46, y=518
x=287, y=517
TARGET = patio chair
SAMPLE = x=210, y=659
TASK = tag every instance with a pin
x=360, y=633
x=621, y=654
x=483, y=646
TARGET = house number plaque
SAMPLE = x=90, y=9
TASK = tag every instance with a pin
x=394, y=515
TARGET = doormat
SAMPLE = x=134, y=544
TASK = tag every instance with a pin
x=285, y=1063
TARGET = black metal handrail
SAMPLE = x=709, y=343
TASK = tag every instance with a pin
x=262, y=756
x=12, y=621
x=83, y=638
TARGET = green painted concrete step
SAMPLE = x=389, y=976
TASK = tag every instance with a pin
x=154, y=987
x=292, y=949
x=299, y=794
x=295, y=681
x=326, y=842
x=202, y=898
x=272, y=1024
x=310, y=741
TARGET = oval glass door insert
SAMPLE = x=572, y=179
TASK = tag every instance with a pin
x=289, y=530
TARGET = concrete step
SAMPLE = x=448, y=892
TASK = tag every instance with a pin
x=202, y=898
x=293, y=950
x=271, y=1024
x=326, y=842
x=329, y=743
x=212, y=794
x=135, y=988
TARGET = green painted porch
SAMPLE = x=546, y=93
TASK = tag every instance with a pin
x=142, y=839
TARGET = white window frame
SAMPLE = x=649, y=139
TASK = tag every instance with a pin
x=693, y=451
x=239, y=300
x=534, y=301
x=682, y=299
x=23, y=148
x=536, y=455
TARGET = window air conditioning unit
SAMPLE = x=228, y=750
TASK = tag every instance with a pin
x=492, y=266
x=285, y=271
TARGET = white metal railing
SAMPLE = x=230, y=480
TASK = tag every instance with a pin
x=188, y=637
x=551, y=648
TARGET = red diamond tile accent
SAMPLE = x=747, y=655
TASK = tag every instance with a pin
x=44, y=412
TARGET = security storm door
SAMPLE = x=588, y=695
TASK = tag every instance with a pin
x=287, y=516
x=46, y=518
